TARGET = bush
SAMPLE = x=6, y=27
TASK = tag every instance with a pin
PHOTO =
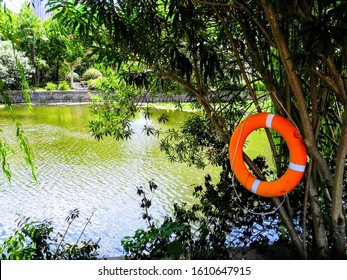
x=51, y=86
x=9, y=70
x=34, y=241
x=93, y=84
x=91, y=73
x=76, y=77
x=64, y=85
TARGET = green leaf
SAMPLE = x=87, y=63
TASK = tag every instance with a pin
x=175, y=249
x=24, y=146
x=163, y=118
x=4, y=164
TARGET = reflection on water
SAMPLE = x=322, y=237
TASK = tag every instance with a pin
x=76, y=171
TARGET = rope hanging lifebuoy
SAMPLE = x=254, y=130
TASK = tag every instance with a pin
x=297, y=155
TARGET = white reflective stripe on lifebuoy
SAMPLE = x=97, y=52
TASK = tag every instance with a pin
x=255, y=186
x=269, y=120
x=297, y=167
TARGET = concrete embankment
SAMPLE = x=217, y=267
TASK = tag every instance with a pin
x=54, y=96
x=75, y=96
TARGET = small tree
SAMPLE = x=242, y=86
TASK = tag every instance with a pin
x=72, y=66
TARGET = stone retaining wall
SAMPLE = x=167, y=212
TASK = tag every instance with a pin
x=75, y=96
x=54, y=96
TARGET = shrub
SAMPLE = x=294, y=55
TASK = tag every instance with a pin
x=92, y=84
x=9, y=70
x=64, y=85
x=51, y=86
x=91, y=73
x=76, y=77
x=34, y=241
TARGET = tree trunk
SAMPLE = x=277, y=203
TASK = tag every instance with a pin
x=72, y=85
x=56, y=74
x=337, y=212
x=33, y=57
x=321, y=241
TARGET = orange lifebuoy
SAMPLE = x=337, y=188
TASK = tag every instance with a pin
x=297, y=155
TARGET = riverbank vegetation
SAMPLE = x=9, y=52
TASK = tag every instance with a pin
x=36, y=240
x=224, y=54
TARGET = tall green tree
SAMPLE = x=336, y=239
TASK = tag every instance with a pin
x=52, y=49
x=297, y=50
x=29, y=32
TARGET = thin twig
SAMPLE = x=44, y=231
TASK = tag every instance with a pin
x=85, y=226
